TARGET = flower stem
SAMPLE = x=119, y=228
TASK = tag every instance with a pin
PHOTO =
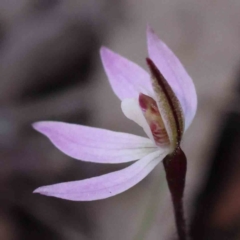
x=175, y=167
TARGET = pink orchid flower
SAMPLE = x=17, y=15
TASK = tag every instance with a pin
x=163, y=104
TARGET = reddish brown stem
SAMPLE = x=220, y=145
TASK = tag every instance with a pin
x=175, y=167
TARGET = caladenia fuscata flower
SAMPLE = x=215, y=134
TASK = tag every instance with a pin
x=163, y=103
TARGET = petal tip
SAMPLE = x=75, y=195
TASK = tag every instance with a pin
x=105, y=52
x=38, y=126
x=103, y=49
x=45, y=127
x=153, y=38
x=150, y=29
x=150, y=32
x=149, y=61
x=42, y=191
x=153, y=69
x=38, y=190
x=107, y=57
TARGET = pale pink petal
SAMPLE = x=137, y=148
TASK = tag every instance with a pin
x=176, y=75
x=106, y=185
x=94, y=144
x=132, y=111
x=126, y=78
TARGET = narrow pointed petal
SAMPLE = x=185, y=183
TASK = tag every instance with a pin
x=94, y=144
x=132, y=111
x=126, y=78
x=176, y=75
x=168, y=105
x=104, y=186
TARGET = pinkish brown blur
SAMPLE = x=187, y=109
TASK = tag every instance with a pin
x=50, y=69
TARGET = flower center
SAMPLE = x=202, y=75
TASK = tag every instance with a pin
x=154, y=120
x=168, y=105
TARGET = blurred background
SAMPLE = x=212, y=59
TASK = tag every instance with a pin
x=50, y=69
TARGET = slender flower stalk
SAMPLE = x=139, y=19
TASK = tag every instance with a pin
x=163, y=104
x=175, y=167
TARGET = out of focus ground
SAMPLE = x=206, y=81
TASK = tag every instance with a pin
x=50, y=70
